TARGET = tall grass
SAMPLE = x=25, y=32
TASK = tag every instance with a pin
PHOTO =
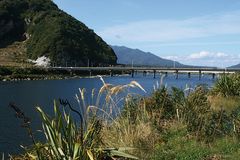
x=82, y=137
x=227, y=85
x=67, y=138
x=169, y=124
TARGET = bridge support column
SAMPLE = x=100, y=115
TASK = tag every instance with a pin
x=213, y=76
x=200, y=75
x=144, y=73
x=111, y=73
x=132, y=73
x=166, y=74
x=154, y=73
x=176, y=74
x=189, y=75
x=90, y=73
x=70, y=72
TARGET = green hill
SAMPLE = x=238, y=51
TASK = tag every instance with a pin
x=44, y=30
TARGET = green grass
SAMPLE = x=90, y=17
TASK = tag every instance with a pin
x=177, y=143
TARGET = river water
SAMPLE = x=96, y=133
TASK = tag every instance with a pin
x=29, y=94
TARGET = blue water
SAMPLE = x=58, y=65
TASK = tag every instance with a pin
x=29, y=94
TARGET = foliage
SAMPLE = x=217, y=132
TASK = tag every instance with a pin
x=196, y=110
x=80, y=137
x=160, y=105
x=227, y=85
x=179, y=144
x=229, y=103
x=11, y=26
x=51, y=32
x=133, y=128
x=65, y=139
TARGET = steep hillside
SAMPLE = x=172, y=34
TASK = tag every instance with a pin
x=127, y=56
x=47, y=30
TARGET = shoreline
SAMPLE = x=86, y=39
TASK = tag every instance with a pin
x=12, y=74
x=53, y=77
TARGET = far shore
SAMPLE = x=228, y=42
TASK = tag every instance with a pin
x=36, y=73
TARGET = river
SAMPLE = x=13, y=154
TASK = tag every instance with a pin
x=29, y=94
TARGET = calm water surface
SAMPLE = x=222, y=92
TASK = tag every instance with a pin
x=29, y=94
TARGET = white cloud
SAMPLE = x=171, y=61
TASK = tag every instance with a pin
x=172, y=30
x=206, y=58
x=206, y=55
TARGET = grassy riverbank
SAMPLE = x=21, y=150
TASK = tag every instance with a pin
x=170, y=124
x=40, y=73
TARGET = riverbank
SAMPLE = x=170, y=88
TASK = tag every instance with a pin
x=38, y=73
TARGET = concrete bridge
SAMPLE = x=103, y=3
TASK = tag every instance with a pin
x=154, y=70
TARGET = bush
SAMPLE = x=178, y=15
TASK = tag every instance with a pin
x=227, y=85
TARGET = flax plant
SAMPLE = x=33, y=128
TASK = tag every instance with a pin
x=67, y=138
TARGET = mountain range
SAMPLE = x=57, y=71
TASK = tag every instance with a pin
x=235, y=66
x=136, y=57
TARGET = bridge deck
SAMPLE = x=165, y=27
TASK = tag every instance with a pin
x=209, y=70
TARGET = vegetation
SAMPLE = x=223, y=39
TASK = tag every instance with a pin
x=38, y=73
x=170, y=124
x=30, y=73
x=228, y=86
x=47, y=30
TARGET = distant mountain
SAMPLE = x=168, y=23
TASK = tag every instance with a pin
x=235, y=66
x=140, y=58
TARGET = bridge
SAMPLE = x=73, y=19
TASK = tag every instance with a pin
x=154, y=70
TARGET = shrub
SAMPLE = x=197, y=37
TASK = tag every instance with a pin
x=227, y=85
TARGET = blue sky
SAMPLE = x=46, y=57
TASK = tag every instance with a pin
x=196, y=32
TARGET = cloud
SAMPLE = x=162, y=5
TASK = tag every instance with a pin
x=206, y=58
x=206, y=55
x=163, y=31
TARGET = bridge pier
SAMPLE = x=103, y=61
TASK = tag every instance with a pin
x=213, y=76
x=90, y=73
x=154, y=73
x=144, y=73
x=176, y=74
x=166, y=74
x=111, y=73
x=189, y=75
x=200, y=75
x=132, y=73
